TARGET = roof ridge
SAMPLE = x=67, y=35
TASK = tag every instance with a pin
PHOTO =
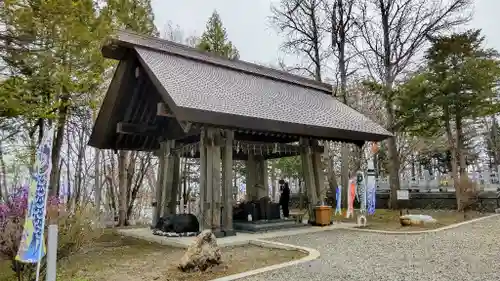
x=239, y=65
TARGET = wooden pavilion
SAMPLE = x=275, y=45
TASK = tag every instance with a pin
x=181, y=102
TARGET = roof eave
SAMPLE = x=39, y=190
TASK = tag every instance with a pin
x=235, y=121
x=113, y=50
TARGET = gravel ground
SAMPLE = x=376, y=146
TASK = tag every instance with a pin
x=470, y=252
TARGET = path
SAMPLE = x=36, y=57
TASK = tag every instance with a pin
x=470, y=252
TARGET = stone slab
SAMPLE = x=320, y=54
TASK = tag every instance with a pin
x=262, y=227
x=238, y=240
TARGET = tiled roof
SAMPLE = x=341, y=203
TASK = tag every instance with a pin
x=205, y=88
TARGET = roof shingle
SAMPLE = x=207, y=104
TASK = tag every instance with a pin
x=205, y=88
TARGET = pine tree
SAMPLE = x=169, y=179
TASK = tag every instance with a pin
x=214, y=39
x=133, y=15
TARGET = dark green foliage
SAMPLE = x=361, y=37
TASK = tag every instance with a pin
x=214, y=39
x=458, y=82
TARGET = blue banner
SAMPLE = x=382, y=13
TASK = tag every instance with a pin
x=338, y=198
x=32, y=246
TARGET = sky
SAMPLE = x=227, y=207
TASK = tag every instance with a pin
x=248, y=27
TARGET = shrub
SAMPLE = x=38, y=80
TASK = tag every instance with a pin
x=76, y=231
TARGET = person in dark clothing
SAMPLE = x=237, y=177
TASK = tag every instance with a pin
x=284, y=197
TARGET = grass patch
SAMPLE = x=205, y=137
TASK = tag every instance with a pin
x=119, y=258
x=384, y=219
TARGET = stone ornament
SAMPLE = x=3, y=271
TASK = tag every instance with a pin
x=202, y=254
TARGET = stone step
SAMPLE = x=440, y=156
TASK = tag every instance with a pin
x=263, y=227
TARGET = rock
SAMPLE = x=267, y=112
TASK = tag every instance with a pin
x=178, y=223
x=497, y=211
x=202, y=254
x=414, y=220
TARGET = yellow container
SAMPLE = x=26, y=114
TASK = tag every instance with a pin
x=323, y=215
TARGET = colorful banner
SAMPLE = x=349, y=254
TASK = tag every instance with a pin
x=361, y=188
x=371, y=199
x=338, y=198
x=371, y=185
x=351, y=195
x=32, y=246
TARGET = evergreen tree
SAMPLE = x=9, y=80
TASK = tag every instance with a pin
x=133, y=15
x=214, y=39
x=457, y=86
x=51, y=51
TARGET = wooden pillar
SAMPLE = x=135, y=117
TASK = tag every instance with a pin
x=307, y=167
x=174, y=188
x=203, y=183
x=209, y=162
x=251, y=176
x=319, y=176
x=167, y=178
x=212, y=182
x=157, y=203
x=216, y=181
x=227, y=188
x=265, y=177
x=261, y=189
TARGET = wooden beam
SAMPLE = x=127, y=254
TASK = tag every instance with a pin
x=157, y=203
x=168, y=179
x=216, y=185
x=227, y=187
x=308, y=172
x=203, y=183
x=138, y=129
x=176, y=180
x=162, y=110
x=251, y=176
x=209, y=156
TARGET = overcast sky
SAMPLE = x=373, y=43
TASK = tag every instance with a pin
x=248, y=25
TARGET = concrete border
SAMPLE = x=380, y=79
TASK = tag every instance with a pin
x=451, y=226
x=312, y=254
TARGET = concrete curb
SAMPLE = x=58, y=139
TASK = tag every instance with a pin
x=451, y=226
x=312, y=255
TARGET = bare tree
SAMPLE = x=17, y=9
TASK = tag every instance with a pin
x=340, y=21
x=177, y=35
x=302, y=21
x=123, y=159
x=394, y=33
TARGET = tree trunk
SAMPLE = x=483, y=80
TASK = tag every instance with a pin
x=97, y=175
x=392, y=149
x=4, y=192
x=453, y=151
x=460, y=147
x=56, y=146
x=344, y=154
x=97, y=181
x=122, y=187
x=392, y=152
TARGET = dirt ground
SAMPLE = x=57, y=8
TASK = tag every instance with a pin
x=117, y=258
x=389, y=219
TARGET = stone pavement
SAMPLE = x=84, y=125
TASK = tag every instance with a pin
x=470, y=252
x=239, y=239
